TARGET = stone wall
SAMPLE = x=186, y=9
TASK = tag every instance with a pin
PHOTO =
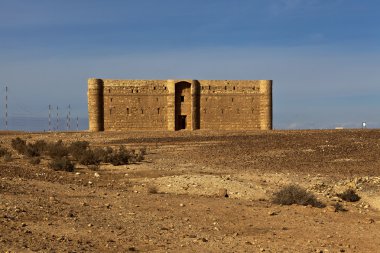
x=179, y=104
x=236, y=104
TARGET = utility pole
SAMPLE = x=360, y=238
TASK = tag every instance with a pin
x=69, y=118
x=6, y=107
x=57, y=119
x=67, y=122
x=49, y=118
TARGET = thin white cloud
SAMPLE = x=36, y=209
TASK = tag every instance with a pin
x=283, y=7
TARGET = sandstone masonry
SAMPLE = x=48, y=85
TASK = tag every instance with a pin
x=179, y=104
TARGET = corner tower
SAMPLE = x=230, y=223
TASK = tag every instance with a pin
x=266, y=105
x=95, y=105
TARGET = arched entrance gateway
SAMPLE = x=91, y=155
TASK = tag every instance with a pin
x=183, y=105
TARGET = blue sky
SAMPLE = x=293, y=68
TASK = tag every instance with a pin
x=323, y=55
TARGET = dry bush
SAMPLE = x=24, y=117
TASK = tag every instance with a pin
x=349, y=195
x=19, y=145
x=8, y=157
x=62, y=163
x=36, y=149
x=152, y=189
x=35, y=160
x=30, y=149
x=120, y=157
x=57, y=150
x=103, y=154
x=78, y=149
x=294, y=194
x=89, y=158
x=339, y=208
x=3, y=151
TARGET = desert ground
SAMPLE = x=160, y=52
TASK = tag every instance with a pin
x=172, y=201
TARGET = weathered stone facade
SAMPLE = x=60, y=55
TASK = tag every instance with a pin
x=179, y=104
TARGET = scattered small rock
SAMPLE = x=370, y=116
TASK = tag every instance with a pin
x=204, y=240
x=223, y=193
x=370, y=221
x=273, y=213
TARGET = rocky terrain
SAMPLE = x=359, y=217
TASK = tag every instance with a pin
x=174, y=200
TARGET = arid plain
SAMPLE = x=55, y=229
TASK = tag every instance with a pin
x=172, y=202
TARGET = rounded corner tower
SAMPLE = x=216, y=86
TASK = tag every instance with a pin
x=95, y=105
x=266, y=111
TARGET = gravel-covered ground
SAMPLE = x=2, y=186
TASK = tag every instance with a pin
x=171, y=202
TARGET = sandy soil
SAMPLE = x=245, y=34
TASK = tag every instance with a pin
x=170, y=202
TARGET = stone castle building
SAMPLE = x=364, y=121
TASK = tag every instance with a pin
x=179, y=104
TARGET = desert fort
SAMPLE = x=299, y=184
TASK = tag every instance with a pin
x=179, y=104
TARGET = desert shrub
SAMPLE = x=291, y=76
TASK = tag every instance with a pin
x=103, y=154
x=119, y=157
x=339, y=208
x=89, y=157
x=3, y=151
x=152, y=189
x=349, y=195
x=19, y=145
x=61, y=163
x=30, y=149
x=136, y=155
x=294, y=194
x=36, y=149
x=57, y=149
x=8, y=157
x=35, y=160
x=140, y=154
x=78, y=148
x=142, y=151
